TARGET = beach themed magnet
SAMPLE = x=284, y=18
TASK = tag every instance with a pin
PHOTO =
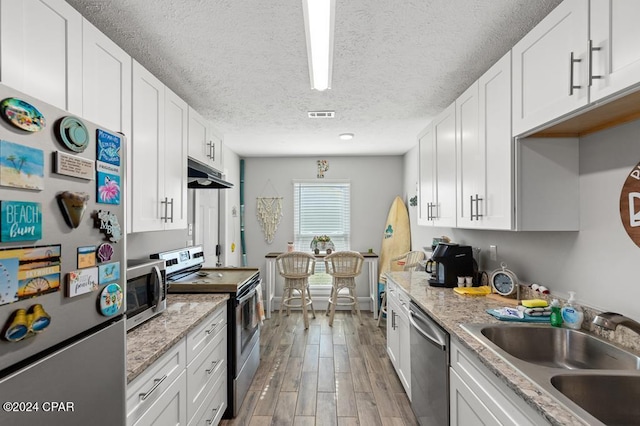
x=108, y=273
x=25, y=323
x=73, y=133
x=74, y=166
x=73, y=205
x=22, y=114
x=110, y=300
x=20, y=221
x=8, y=280
x=108, y=188
x=82, y=281
x=108, y=148
x=105, y=252
x=108, y=223
x=86, y=257
x=21, y=166
x=37, y=271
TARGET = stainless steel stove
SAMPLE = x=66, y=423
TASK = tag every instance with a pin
x=185, y=274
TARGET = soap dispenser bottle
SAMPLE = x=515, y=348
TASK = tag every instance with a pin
x=556, y=315
x=572, y=316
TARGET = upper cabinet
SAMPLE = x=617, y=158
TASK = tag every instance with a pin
x=550, y=67
x=438, y=171
x=41, y=51
x=484, y=149
x=158, y=155
x=614, y=54
x=204, y=144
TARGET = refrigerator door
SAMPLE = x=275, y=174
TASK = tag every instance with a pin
x=82, y=384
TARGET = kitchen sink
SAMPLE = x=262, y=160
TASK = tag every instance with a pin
x=612, y=399
x=559, y=348
x=597, y=381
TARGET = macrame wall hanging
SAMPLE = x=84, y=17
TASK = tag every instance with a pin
x=269, y=212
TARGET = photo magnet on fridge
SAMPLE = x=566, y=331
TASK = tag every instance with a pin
x=37, y=273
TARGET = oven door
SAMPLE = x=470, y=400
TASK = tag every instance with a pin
x=247, y=322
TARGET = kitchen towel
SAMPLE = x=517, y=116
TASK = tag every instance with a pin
x=527, y=318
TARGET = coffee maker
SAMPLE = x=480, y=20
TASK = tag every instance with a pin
x=448, y=262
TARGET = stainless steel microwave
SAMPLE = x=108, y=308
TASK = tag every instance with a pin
x=146, y=290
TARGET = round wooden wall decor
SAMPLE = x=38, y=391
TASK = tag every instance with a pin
x=630, y=205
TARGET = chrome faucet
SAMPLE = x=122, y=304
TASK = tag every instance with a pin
x=611, y=320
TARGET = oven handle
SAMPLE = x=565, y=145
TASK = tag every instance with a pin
x=157, y=287
x=248, y=296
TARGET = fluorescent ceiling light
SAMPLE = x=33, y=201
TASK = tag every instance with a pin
x=319, y=20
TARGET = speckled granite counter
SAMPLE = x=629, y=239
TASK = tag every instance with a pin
x=450, y=310
x=149, y=341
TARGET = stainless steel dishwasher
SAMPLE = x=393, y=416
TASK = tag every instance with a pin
x=429, y=369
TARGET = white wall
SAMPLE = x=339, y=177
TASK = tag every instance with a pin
x=375, y=182
x=230, y=223
x=599, y=261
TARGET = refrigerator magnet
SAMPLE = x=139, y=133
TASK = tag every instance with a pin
x=21, y=166
x=73, y=166
x=22, y=115
x=20, y=221
x=82, y=281
x=73, y=205
x=105, y=252
x=108, y=188
x=86, y=257
x=110, y=300
x=108, y=147
x=9, y=279
x=73, y=133
x=108, y=223
x=108, y=273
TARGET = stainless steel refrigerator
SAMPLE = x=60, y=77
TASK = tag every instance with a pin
x=62, y=267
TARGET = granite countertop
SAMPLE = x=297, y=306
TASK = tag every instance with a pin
x=149, y=341
x=450, y=309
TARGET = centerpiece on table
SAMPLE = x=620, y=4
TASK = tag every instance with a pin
x=322, y=243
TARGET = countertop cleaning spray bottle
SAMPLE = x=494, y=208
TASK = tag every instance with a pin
x=572, y=316
x=556, y=316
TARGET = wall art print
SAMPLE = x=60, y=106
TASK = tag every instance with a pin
x=630, y=204
x=29, y=272
x=108, y=188
x=323, y=166
x=21, y=166
x=20, y=221
x=108, y=147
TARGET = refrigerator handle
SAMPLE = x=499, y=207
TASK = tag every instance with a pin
x=157, y=287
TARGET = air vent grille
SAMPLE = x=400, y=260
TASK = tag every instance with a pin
x=322, y=114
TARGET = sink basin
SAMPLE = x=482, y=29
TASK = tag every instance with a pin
x=612, y=399
x=559, y=347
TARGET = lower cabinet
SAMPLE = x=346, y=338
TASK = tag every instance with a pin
x=478, y=397
x=188, y=384
x=398, y=338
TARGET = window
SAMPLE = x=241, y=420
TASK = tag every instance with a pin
x=321, y=208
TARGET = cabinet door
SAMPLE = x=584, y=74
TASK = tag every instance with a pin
x=171, y=408
x=393, y=335
x=615, y=32
x=176, y=121
x=106, y=81
x=426, y=172
x=471, y=158
x=147, y=149
x=41, y=51
x=496, y=206
x=466, y=408
x=199, y=133
x=404, y=345
x=444, y=136
x=543, y=70
x=216, y=149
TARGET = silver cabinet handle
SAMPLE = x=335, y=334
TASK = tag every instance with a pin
x=477, y=200
x=213, y=412
x=212, y=150
x=213, y=327
x=171, y=202
x=591, y=50
x=572, y=86
x=213, y=366
x=393, y=319
x=165, y=202
x=471, y=208
x=156, y=383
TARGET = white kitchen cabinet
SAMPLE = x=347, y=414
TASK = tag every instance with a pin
x=398, y=339
x=484, y=149
x=169, y=409
x=205, y=145
x=41, y=51
x=477, y=396
x=438, y=171
x=158, y=155
x=614, y=40
x=550, y=67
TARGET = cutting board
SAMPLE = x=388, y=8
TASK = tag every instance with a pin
x=527, y=318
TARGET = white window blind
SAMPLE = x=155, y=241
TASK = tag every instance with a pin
x=322, y=208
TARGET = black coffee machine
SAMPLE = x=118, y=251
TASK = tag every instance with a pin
x=448, y=262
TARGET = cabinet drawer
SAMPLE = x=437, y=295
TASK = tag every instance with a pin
x=169, y=409
x=145, y=389
x=203, y=334
x=215, y=403
x=205, y=369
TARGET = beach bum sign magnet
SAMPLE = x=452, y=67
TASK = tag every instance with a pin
x=21, y=221
x=630, y=204
x=21, y=166
x=82, y=281
x=108, y=148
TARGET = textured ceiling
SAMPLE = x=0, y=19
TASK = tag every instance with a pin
x=243, y=64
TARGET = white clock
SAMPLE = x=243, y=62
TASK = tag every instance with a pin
x=504, y=281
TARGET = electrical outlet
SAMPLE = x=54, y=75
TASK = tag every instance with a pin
x=190, y=230
x=493, y=252
x=189, y=243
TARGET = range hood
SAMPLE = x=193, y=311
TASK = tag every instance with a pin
x=201, y=176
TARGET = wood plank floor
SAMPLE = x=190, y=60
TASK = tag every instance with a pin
x=338, y=375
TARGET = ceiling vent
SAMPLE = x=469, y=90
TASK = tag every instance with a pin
x=322, y=114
